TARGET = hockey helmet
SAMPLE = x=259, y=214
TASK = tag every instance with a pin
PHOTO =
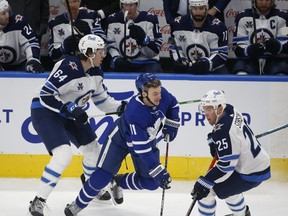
x=128, y=1
x=198, y=3
x=145, y=78
x=213, y=98
x=90, y=41
x=4, y=5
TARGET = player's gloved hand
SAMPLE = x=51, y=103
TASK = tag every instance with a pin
x=1, y=67
x=137, y=33
x=202, y=188
x=71, y=109
x=212, y=145
x=273, y=46
x=34, y=66
x=82, y=27
x=170, y=128
x=202, y=66
x=70, y=44
x=161, y=176
x=120, y=64
x=42, y=29
x=121, y=108
x=254, y=50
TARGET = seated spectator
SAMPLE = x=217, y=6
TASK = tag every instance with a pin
x=133, y=39
x=19, y=47
x=35, y=11
x=175, y=8
x=200, y=44
x=260, y=39
x=63, y=41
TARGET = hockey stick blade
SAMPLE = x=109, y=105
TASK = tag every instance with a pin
x=272, y=131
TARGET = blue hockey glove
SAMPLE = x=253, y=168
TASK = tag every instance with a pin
x=212, y=145
x=121, y=108
x=161, y=176
x=70, y=44
x=273, y=46
x=71, y=109
x=254, y=50
x=120, y=64
x=82, y=27
x=202, y=188
x=34, y=66
x=202, y=66
x=170, y=128
x=137, y=33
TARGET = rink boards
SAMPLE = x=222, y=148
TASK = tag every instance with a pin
x=262, y=100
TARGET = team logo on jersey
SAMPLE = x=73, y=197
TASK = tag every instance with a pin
x=18, y=18
x=217, y=127
x=182, y=38
x=249, y=24
x=73, y=65
x=131, y=49
x=7, y=55
x=80, y=86
x=262, y=35
x=196, y=52
x=61, y=32
x=117, y=31
x=216, y=22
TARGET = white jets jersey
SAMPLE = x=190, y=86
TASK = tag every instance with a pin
x=238, y=150
x=18, y=42
x=60, y=29
x=271, y=25
x=210, y=40
x=116, y=40
x=69, y=83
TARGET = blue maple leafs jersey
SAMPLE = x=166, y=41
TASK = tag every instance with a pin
x=115, y=37
x=268, y=26
x=210, y=40
x=60, y=29
x=238, y=150
x=69, y=83
x=18, y=42
x=140, y=124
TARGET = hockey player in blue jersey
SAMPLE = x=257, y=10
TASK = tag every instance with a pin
x=133, y=39
x=58, y=117
x=201, y=41
x=62, y=41
x=19, y=47
x=242, y=162
x=153, y=110
x=263, y=55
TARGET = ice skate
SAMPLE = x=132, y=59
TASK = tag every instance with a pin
x=72, y=209
x=37, y=206
x=247, y=212
x=116, y=190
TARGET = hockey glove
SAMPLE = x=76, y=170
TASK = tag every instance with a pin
x=1, y=68
x=137, y=33
x=202, y=188
x=202, y=66
x=254, y=50
x=273, y=46
x=170, y=128
x=212, y=145
x=121, y=108
x=161, y=176
x=70, y=109
x=82, y=27
x=120, y=64
x=34, y=66
x=70, y=44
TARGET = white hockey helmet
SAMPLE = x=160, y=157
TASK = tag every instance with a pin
x=198, y=3
x=128, y=1
x=90, y=41
x=4, y=5
x=213, y=98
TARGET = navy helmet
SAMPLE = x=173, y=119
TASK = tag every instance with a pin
x=144, y=79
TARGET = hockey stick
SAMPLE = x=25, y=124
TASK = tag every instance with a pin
x=71, y=19
x=190, y=101
x=195, y=198
x=125, y=32
x=172, y=41
x=271, y=131
x=105, y=114
x=166, y=165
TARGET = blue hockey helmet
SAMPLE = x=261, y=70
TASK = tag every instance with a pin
x=144, y=79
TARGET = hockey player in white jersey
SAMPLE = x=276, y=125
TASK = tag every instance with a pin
x=242, y=162
x=201, y=41
x=19, y=47
x=58, y=117
x=133, y=39
x=263, y=54
x=153, y=110
x=62, y=41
